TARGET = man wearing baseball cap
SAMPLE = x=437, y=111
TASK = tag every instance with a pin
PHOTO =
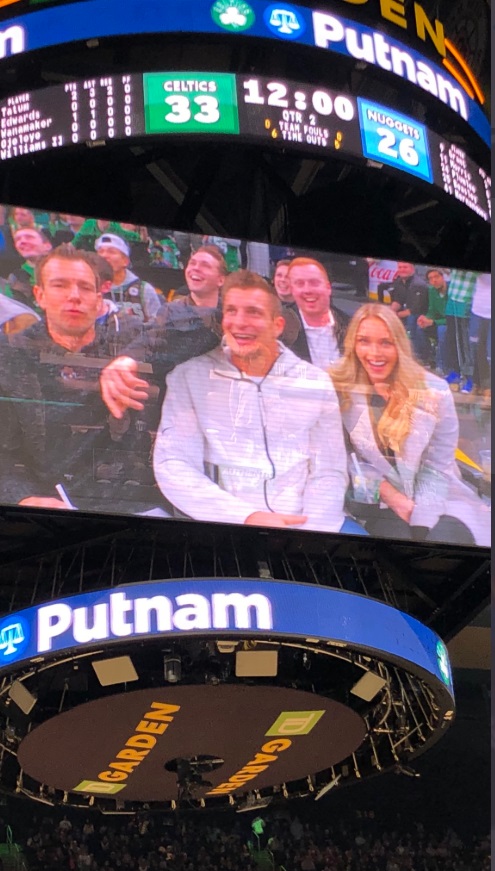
x=128, y=291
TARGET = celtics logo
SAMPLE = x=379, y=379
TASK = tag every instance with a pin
x=232, y=15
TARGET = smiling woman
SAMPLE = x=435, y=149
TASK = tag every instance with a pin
x=376, y=351
x=403, y=431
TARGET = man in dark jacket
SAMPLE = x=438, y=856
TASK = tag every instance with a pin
x=320, y=339
x=53, y=417
x=410, y=300
x=184, y=328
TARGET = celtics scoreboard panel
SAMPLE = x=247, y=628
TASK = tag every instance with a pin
x=406, y=43
x=442, y=141
x=268, y=111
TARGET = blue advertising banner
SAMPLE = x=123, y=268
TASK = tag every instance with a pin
x=286, y=22
x=229, y=607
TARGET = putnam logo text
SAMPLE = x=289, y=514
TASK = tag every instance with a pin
x=121, y=617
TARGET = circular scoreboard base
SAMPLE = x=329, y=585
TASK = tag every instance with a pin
x=211, y=693
x=124, y=744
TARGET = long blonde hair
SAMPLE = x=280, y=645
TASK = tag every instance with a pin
x=407, y=384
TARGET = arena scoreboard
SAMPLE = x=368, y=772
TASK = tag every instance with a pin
x=449, y=80
x=288, y=114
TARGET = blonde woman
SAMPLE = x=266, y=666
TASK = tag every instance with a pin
x=401, y=422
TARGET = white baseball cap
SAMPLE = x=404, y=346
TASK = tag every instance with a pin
x=114, y=241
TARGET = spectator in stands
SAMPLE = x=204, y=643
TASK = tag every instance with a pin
x=130, y=293
x=434, y=319
x=457, y=314
x=184, y=328
x=401, y=420
x=164, y=252
x=139, y=240
x=204, y=276
x=57, y=230
x=49, y=439
x=31, y=244
x=322, y=326
x=212, y=456
x=281, y=282
x=195, y=844
x=410, y=301
x=109, y=310
x=21, y=218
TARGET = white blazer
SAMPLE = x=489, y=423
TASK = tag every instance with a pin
x=426, y=469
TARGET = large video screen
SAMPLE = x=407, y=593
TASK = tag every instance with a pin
x=292, y=115
x=154, y=372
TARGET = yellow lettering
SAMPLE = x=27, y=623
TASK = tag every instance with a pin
x=253, y=768
x=162, y=712
x=276, y=746
x=424, y=25
x=124, y=766
x=156, y=728
x=394, y=11
x=112, y=776
x=263, y=757
x=145, y=742
x=238, y=779
x=138, y=755
x=141, y=741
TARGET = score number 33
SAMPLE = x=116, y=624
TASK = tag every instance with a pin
x=182, y=112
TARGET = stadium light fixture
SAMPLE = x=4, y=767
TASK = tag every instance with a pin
x=118, y=670
x=368, y=686
x=172, y=668
x=21, y=696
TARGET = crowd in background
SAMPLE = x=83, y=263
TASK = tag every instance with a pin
x=361, y=842
x=448, y=310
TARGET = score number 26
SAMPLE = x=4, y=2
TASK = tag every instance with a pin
x=405, y=150
x=181, y=111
